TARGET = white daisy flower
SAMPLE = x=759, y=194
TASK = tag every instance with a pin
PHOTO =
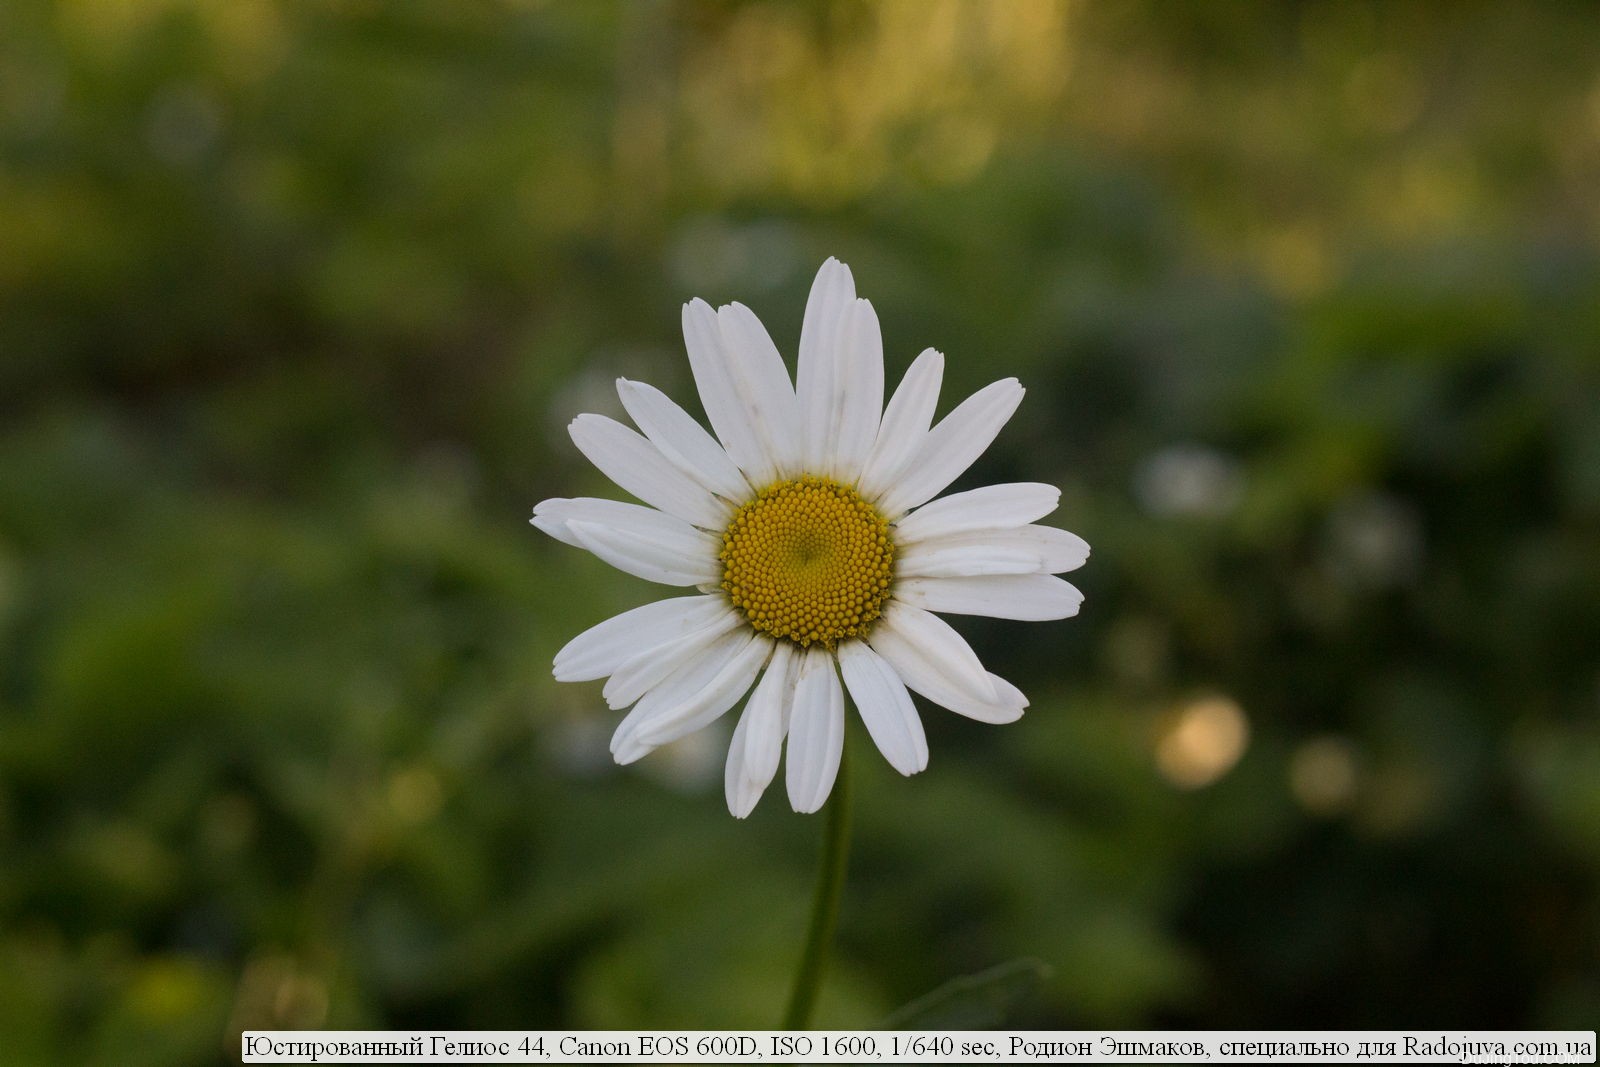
x=806, y=526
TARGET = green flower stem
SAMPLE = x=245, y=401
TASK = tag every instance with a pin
x=825, y=906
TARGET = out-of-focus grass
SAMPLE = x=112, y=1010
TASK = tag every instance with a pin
x=296, y=301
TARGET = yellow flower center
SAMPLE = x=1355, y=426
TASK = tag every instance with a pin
x=808, y=560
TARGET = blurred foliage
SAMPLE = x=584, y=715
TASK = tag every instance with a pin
x=297, y=298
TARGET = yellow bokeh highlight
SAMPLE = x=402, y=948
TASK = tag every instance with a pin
x=1202, y=741
x=808, y=560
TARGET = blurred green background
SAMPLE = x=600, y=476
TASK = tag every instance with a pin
x=297, y=298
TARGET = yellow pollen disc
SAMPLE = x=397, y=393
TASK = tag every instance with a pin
x=808, y=560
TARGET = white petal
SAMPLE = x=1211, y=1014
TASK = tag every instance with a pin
x=885, y=706
x=757, y=745
x=683, y=440
x=719, y=394
x=963, y=561
x=1053, y=550
x=1028, y=597
x=666, y=556
x=741, y=789
x=860, y=390
x=548, y=519
x=601, y=649
x=708, y=704
x=934, y=640
x=1008, y=709
x=950, y=447
x=763, y=386
x=552, y=517
x=989, y=507
x=545, y=521
x=905, y=424
x=639, y=467
x=691, y=675
x=647, y=667
x=817, y=372
x=816, y=733
x=767, y=711
x=923, y=675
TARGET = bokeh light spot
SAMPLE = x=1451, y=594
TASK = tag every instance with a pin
x=1324, y=775
x=1202, y=741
